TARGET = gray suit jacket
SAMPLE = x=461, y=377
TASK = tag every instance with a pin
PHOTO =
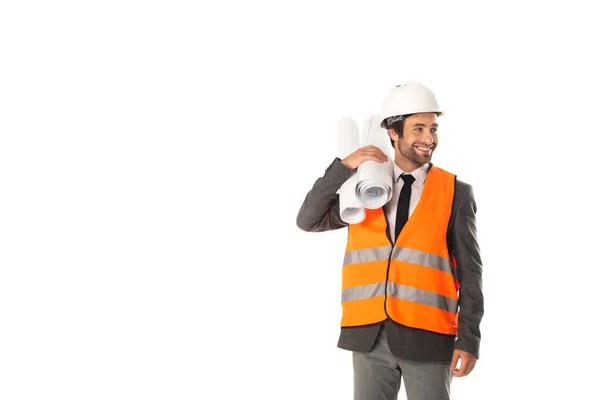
x=320, y=212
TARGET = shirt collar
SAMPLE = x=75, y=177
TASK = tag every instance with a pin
x=420, y=174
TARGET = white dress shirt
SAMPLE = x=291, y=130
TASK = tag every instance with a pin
x=417, y=188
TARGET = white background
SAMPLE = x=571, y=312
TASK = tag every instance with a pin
x=154, y=155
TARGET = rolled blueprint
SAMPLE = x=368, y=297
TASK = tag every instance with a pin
x=351, y=209
x=374, y=179
x=348, y=137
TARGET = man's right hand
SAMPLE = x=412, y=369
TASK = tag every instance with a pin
x=363, y=154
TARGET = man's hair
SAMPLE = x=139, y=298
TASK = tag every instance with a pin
x=397, y=126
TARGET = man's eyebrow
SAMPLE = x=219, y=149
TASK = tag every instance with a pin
x=418, y=124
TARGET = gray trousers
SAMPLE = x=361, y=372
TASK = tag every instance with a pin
x=378, y=373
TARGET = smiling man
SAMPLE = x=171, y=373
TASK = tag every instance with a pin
x=420, y=139
x=412, y=300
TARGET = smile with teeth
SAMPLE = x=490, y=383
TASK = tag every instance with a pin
x=424, y=148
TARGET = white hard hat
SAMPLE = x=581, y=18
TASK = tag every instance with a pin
x=408, y=98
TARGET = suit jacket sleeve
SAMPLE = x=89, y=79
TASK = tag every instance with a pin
x=469, y=273
x=320, y=210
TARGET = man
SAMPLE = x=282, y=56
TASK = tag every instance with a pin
x=412, y=299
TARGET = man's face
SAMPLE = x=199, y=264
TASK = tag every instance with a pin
x=419, y=139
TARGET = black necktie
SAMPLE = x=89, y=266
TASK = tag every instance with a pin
x=403, y=203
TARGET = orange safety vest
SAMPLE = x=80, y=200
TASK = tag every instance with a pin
x=411, y=282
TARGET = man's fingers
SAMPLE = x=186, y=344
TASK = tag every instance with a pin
x=466, y=366
x=372, y=148
x=375, y=153
x=471, y=366
x=455, y=358
x=377, y=158
x=367, y=153
x=374, y=157
x=462, y=371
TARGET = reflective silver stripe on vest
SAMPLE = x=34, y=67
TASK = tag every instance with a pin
x=363, y=292
x=367, y=255
x=423, y=297
x=422, y=258
x=400, y=254
x=400, y=292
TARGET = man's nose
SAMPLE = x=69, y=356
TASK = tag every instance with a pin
x=428, y=137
